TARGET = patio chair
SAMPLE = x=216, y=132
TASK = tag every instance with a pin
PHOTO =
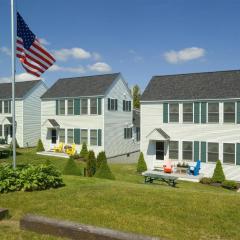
x=71, y=151
x=58, y=148
x=167, y=168
x=195, y=170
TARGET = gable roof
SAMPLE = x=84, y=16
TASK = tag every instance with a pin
x=96, y=85
x=21, y=89
x=206, y=85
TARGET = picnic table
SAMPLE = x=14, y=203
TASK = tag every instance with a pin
x=150, y=176
x=4, y=152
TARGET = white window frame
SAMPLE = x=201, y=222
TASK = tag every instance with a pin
x=207, y=151
x=192, y=112
x=96, y=106
x=81, y=106
x=64, y=135
x=72, y=107
x=178, y=112
x=88, y=135
x=72, y=135
x=192, y=151
x=174, y=149
x=235, y=153
x=235, y=112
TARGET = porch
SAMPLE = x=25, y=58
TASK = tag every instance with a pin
x=53, y=154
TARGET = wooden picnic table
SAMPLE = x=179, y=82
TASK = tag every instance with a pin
x=150, y=176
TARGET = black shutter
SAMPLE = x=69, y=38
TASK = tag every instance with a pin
x=124, y=107
x=109, y=103
x=116, y=104
x=57, y=112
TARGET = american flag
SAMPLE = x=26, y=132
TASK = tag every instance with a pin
x=33, y=56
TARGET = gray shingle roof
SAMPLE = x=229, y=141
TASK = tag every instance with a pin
x=81, y=86
x=21, y=89
x=206, y=85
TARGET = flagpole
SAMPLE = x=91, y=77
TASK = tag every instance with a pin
x=13, y=30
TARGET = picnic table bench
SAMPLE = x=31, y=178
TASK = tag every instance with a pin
x=150, y=176
x=4, y=152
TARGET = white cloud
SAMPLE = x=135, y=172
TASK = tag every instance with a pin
x=184, y=55
x=44, y=41
x=5, y=50
x=64, y=54
x=57, y=68
x=19, y=78
x=100, y=67
x=96, y=56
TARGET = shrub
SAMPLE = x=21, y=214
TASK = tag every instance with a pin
x=206, y=180
x=218, y=175
x=84, y=151
x=141, y=165
x=29, y=178
x=229, y=184
x=91, y=164
x=40, y=147
x=100, y=158
x=103, y=170
x=71, y=168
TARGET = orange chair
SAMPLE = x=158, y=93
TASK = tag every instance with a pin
x=167, y=168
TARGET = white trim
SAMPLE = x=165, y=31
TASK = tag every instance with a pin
x=187, y=100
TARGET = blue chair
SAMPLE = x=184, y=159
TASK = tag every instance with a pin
x=195, y=170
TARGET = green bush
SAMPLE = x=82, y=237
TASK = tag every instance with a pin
x=29, y=178
x=103, y=170
x=84, y=151
x=40, y=147
x=91, y=164
x=100, y=158
x=218, y=175
x=206, y=180
x=232, y=185
x=71, y=168
x=141, y=165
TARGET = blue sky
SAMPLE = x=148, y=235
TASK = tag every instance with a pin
x=139, y=38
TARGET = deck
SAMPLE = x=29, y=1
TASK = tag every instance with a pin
x=53, y=154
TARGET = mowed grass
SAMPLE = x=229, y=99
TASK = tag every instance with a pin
x=190, y=211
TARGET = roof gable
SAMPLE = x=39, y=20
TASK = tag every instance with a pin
x=21, y=89
x=208, y=85
x=81, y=86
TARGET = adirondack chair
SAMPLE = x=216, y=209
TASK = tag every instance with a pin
x=167, y=168
x=195, y=170
x=71, y=151
x=58, y=148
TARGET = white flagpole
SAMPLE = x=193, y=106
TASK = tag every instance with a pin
x=13, y=30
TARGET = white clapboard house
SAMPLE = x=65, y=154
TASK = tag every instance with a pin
x=96, y=110
x=28, y=111
x=187, y=117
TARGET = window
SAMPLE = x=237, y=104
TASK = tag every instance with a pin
x=84, y=136
x=213, y=112
x=70, y=106
x=138, y=134
x=187, y=151
x=93, y=105
x=7, y=106
x=127, y=105
x=112, y=104
x=173, y=150
x=62, y=107
x=70, y=136
x=127, y=133
x=213, y=152
x=62, y=135
x=229, y=153
x=84, y=106
x=93, y=138
x=1, y=107
x=54, y=136
x=187, y=112
x=229, y=112
x=173, y=112
x=160, y=150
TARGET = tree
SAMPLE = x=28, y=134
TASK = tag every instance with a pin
x=40, y=147
x=84, y=151
x=218, y=175
x=91, y=164
x=141, y=165
x=104, y=171
x=71, y=167
x=100, y=158
x=136, y=96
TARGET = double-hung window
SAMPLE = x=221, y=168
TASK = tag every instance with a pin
x=173, y=150
x=7, y=106
x=127, y=106
x=188, y=112
x=93, y=105
x=112, y=104
x=70, y=136
x=84, y=136
x=229, y=112
x=213, y=112
x=173, y=112
x=229, y=153
x=213, y=152
x=62, y=107
x=84, y=106
x=62, y=135
x=187, y=151
x=93, y=137
x=70, y=106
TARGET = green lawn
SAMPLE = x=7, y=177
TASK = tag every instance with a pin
x=189, y=211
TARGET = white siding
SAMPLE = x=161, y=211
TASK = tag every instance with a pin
x=116, y=121
x=32, y=116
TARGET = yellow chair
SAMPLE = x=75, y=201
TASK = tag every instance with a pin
x=58, y=148
x=71, y=151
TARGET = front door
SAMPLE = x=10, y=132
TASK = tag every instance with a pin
x=160, y=150
x=54, y=136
